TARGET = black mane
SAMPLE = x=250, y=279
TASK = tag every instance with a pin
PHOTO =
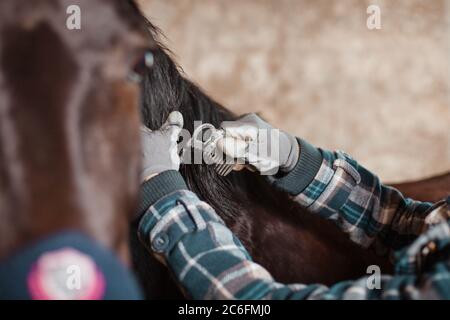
x=165, y=89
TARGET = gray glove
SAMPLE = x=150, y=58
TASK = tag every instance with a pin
x=159, y=148
x=261, y=146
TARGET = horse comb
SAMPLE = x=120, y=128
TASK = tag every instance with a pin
x=208, y=148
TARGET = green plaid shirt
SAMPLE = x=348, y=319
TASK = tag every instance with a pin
x=209, y=262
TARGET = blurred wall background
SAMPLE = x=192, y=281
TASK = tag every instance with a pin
x=313, y=68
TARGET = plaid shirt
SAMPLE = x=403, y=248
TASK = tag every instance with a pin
x=209, y=262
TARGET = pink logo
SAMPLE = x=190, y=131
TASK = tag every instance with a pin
x=65, y=274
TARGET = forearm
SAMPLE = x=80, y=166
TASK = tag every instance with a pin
x=345, y=192
x=203, y=254
x=209, y=262
x=205, y=257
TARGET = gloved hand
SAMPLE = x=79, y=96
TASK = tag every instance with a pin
x=249, y=138
x=159, y=148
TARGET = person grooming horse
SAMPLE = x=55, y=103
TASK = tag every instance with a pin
x=209, y=262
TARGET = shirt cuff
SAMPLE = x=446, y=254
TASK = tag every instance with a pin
x=305, y=170
x=171, y=218
x=158, y=187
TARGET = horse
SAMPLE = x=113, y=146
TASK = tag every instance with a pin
x=431, y=189
x=69, y=121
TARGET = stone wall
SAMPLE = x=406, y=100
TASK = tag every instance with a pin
x=313, y=68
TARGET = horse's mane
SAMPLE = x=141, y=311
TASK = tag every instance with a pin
x=166, y=89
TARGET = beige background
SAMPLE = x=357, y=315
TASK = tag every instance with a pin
x=313, y=68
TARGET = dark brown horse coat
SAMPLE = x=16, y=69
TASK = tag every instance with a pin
x=69, y=141
x=430, y=189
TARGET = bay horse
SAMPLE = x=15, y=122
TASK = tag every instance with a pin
x=69, y=121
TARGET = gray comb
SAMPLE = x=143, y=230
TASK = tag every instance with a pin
x=209, y=150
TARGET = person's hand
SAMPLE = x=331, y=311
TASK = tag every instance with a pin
x=159, y=148
x=255, y=142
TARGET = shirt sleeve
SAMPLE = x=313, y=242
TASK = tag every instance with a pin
x=336, y=187
x=209, y=262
